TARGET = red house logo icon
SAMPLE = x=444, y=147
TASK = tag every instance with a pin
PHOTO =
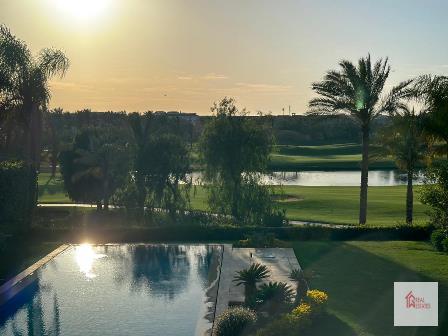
x=410, y=300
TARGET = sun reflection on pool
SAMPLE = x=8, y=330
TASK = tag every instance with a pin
x=85, y=256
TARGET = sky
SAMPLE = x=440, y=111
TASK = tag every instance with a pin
x=140, y=55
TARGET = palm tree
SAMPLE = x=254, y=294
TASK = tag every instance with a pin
x=275, y=296
x=24, y=90
x=433, y=91
x=404, y=140
x=249, y=277
x=358, y=92
x=298, y=276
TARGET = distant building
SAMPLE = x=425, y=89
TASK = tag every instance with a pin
x=187, y=116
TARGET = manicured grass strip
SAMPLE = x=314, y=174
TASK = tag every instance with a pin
x=51, y=190
x=324, y=157
x=359, y=277
x=340, y=205
x=337, y=205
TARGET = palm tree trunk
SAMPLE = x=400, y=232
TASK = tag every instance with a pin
x=364, y=175
x=35, y=136
x=409, y=198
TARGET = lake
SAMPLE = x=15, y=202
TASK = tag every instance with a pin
x=333, y=178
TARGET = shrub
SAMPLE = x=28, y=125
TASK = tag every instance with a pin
x=18, y=194
x=299, y=318
x=275, y=297
x=234, y=321
x=437, y=239
x=317, y=299
x=435, y=194
x=445, y=244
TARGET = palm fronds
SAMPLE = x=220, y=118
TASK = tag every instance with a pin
x=252, y=275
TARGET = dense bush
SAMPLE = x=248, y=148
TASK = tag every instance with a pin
x=439, y=238
x=18, y=195
x=435, y=194
x=234, y=321
x=299, y=318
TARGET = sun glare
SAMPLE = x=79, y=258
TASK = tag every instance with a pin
x=85, y=256
x=83, y=9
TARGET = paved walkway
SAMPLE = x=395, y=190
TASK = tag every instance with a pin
x=280, y=262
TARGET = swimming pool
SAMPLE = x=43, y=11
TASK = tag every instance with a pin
x=119, y=290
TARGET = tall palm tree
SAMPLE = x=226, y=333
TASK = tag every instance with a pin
x=24, y=89
x=433, y=91
x=249, y=277
x=358, y=92
x=405, y=141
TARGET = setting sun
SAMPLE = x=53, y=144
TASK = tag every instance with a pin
x=83, y=9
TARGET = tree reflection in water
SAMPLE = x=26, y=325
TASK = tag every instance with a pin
x=28, y=304
x=161, y=270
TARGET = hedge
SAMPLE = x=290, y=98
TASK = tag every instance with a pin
x=18, y=195
x=197, y=233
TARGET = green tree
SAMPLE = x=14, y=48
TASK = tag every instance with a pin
x=358, y=92
x=435, y=194
x=95, y=167
x=405, y=141
x=54, y=141
x=24, y=90
x=235, y=150
x=249, y=277
x=140, y=126
x=433, y=91
x=165, y=169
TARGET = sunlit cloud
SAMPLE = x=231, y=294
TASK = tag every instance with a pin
x=257, y=87
x=214, y=76
x=71, y=86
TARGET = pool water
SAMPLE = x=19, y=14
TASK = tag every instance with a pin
x=119, y=290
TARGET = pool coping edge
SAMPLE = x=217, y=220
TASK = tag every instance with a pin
x=10, y=287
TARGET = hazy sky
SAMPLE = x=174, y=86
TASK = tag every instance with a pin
x=139, y=55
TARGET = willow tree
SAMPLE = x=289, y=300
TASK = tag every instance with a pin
x=24, y=87
x=358, y=91
x=235, y=151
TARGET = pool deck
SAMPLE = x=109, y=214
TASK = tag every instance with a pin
x=280, y=262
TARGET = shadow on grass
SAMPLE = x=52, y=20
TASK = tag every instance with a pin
x=360, y=289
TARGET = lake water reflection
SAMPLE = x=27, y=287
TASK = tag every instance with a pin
x=334, y=178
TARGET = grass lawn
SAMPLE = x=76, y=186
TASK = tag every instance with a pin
x=339, y=205
x=359, y=277
x=51, y=190
x=324, y=157
x=386, y=205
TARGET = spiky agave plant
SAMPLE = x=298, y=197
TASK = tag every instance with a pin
x=249, y=277
x=275, y=296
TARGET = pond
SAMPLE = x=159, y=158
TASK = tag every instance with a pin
x=334, y=178
x=119, y=290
